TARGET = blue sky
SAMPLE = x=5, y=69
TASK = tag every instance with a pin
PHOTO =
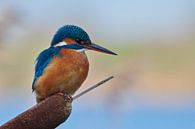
x=124, y=18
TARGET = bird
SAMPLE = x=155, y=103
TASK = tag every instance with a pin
x=63, y=66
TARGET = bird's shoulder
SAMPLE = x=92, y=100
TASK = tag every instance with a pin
x=42, y=61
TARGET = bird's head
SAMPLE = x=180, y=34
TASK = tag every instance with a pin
x=70, y=34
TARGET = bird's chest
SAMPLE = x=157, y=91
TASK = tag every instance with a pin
x=73, y=67
x=65, y=73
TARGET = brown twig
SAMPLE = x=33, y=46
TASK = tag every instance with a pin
x=92, y=87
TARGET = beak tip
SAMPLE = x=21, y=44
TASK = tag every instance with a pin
x=114, y=54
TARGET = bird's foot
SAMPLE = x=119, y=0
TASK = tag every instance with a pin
x=61, y=93
x=68, y=97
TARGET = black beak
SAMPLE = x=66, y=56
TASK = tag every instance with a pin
x=98, y=48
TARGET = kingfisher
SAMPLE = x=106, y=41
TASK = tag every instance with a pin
x=64, y=66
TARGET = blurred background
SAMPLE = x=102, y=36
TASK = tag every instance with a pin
x=154, y=84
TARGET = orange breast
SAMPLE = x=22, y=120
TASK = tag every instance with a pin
x=64, y=74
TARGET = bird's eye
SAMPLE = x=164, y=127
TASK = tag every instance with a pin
x=81, y=42
x=78, y=40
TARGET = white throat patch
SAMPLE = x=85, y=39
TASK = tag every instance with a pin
x=60, y=44
x=81, y=50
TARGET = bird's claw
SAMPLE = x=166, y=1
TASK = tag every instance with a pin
x=61, y=94
x=68, y=97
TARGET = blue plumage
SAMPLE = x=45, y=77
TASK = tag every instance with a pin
x=69, y=31
x=46, y=56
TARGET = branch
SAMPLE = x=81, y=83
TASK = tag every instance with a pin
x=46, y=115
x=92, y=87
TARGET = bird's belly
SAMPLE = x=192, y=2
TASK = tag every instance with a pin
x=63, y=75
x=70, y=81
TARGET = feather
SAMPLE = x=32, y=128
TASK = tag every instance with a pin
x=42, y=62
x=46, y=56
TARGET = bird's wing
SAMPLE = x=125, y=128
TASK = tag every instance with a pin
x=42, y=61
